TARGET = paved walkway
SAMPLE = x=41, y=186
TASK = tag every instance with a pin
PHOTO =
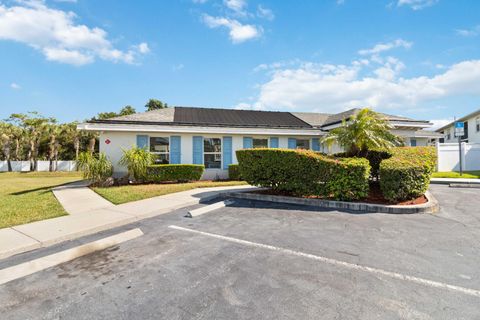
x=90, y=213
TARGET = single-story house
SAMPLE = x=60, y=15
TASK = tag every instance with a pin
x=471, y=124
x=185, y=135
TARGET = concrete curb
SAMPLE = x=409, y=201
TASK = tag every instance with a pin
x=454, y=181
x=430, y=207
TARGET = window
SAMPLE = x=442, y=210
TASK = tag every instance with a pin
x=160, y=146
x=260, y=143
x=448, y=136
x=303, y=144
x=413, y=142
x=212, y=153
x=477, y=124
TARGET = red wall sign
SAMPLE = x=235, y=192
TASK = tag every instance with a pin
x=107, y=141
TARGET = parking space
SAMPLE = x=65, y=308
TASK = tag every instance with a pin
x=255, y=260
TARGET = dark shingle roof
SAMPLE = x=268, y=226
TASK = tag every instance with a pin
x=213, y=117
x=241, y=118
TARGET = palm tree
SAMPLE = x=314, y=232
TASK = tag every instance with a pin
x=5, y=140
x=364, y=131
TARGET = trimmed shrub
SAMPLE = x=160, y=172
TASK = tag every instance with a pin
x=234, y=172
x=305, y=173
x=406, y=175
x=374, y=157
x=174, y=172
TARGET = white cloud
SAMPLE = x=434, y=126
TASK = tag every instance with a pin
x=438, y=123
x=143, y=48
x=238, y=6
x=238, y=32
x=178, y=67
x=265, y=13
x=417, y=4
x=330, y=88
x=382, y=47
x=472, y=32
x=15, y=86
x=55, y=33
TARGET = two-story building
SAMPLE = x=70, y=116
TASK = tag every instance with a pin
x=471, y=124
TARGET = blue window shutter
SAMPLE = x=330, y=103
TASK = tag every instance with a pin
x=227, y=152
x=273, y=142
x=247, y=142
x=316, y=144
x=413, y=142
x=292, y=143
x=142, y=141
x=197, y=150
x=175, y=149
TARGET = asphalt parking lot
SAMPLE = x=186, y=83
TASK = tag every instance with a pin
x=255, y=260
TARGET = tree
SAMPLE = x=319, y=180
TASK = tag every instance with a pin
x=125, y=111
x=362, y=132
x=5, y=140
x=154, y=104
x=35, y=126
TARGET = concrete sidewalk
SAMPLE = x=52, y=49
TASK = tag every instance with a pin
x=89, y=213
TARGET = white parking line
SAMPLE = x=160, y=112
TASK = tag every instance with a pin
x=27, y=268
x=348, y=265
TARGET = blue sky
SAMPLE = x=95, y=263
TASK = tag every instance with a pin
x=72, y=59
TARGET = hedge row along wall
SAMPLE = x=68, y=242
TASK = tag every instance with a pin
x=174, y=172
x=305, y=173
x=234, y=172
x=406, y=175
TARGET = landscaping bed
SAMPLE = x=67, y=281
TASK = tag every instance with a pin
x=375, y=196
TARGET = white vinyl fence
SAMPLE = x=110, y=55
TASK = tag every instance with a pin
x=24, y=166
x=449, y=156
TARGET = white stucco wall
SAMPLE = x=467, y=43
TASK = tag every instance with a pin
x=126, y=140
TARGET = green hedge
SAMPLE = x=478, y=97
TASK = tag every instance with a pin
x=174, y=172
x=305, y=173
x=234, y=172
x=374, y=157
x=406, y=175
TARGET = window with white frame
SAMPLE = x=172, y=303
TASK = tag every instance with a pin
x=260, y=143
x=160, y=147
x=303, y=144
x=212, y=153
x=477, y=124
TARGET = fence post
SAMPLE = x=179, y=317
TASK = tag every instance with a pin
x=437, y=149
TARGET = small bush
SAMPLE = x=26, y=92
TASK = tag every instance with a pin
x=136, y=160
x=406, y=175
x=95, y=167
x=305, y=173
x=174, y=172
x=234, y=172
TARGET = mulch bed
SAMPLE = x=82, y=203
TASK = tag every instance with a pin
x=375, y=196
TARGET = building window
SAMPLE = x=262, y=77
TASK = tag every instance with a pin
x=260, y=143
x=212, y=153
x=160, y=147
x=477, y=124
x=303, y=144
x=413, y=142
x=448, y=136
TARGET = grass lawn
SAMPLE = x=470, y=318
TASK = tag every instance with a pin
x=123, y=194
x=27, y=197
x=466, y=175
